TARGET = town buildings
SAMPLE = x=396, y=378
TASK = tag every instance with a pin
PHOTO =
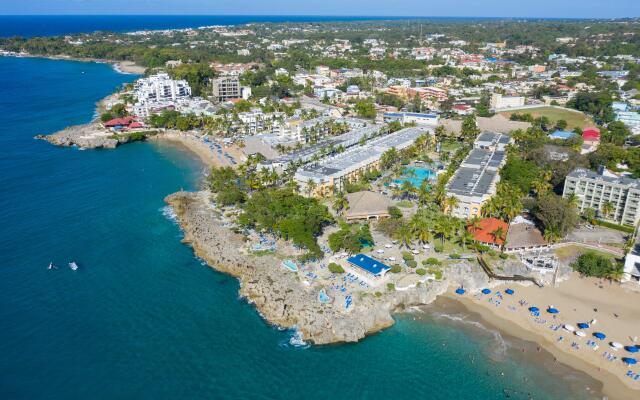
x=228, y=88
x=595, y=189
x=158, y=92
x=407, y=117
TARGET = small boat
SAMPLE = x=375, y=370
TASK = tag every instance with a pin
x=73, y=266
x=51, y=266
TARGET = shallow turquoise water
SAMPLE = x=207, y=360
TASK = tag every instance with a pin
x=143, y=318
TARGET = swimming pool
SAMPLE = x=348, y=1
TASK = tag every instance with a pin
x=290, y=265
x=417, y=177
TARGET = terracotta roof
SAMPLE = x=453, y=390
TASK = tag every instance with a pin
x=591, y=134
x=124, y=121
x=483, y=233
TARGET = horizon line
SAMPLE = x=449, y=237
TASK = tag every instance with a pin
x=320, y=15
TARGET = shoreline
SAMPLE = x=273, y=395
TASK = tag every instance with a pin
x=608, y=375
x=121, y=67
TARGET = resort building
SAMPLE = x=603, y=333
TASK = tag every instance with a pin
x=631, y=270
x=407, y=117
x=368, y=269
x=161, y=87
x=158, y=92
x=366, y=205
x=594, y=190
x=490, y=231
x=475, y=181
x=500, y=102
x=330, y=175
x=228, y=88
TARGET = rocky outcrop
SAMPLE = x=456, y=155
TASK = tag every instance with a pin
x=281, y=296
x=88, y=136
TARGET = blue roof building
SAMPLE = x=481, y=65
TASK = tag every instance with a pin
x=369, y=265
x=563, y=135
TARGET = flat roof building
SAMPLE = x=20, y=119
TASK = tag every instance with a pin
x=332, y=173
x=475, y=181
x=593, y=190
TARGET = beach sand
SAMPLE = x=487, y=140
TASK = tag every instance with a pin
x=576, y=300
x=128, y=67
x=209, y=157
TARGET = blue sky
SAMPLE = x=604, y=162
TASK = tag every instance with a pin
x=485, y=8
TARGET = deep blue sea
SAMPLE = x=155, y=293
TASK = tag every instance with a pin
x=143, y=318
x=49, y=25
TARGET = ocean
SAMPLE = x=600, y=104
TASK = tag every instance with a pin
x=50, y=25
x=143, y=318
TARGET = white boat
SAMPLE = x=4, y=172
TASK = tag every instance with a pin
x=73, y=266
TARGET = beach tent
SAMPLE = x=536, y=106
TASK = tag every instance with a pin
x=509, y=291
x=568, y=327
x=583, y=325
x=599, y=335
x=631, y=349
x=534, y=309
x=629, y=360
x=460, y=291
x=552, y=310
x=486, y=291
x=615, y=345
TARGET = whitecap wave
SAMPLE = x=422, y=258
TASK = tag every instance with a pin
x=169, y=213
x=295, y=341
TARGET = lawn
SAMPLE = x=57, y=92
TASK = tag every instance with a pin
x=571, y=252
x=574, y=118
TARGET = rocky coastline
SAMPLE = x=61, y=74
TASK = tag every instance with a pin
x=282, y=297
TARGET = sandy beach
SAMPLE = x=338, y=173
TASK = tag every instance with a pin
x=617, y=315
x=208, y=156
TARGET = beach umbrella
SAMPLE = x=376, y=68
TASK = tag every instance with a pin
x=568, y=327
x=552, y=310
x=534, y=309
x=460, y=291
x=600, y=335
x=631, y=349
x=615, y=345
x=509, y=291
x=583, y=325
x=629, y=360
x=486, y=291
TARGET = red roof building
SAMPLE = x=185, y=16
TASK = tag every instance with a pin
x=120, y=122
x=485, y=232
x=591, y=135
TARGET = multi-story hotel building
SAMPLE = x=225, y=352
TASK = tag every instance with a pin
x=475, y=181
x=593, y=190
x=330, y=175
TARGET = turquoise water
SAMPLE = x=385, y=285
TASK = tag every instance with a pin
x=142, y=317
x=419, y=175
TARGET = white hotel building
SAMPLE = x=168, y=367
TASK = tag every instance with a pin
x=158, y=91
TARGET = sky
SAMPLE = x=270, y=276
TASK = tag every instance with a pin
x=462, y=8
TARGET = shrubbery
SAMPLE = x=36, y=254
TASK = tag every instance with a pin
x=396, y=268
x=599, y=266
x=336, y=268
x=421, y=271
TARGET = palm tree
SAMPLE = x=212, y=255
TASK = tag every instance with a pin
x=404, y=235
x=452, y=202
x=421, y=230
x=606, y=208
x=499, y=235
x=311, y=187
x=340, y=202
x=465, y=237
x=474, y=223
x=551, y=234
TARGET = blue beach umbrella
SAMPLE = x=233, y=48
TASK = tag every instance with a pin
x=486, y=291
x=460, y=291
x=534, y=309
x=599, y=335
x=552, y=310
x=509, y=291
x=631, y=349
x=629, y=360
x=583, y=325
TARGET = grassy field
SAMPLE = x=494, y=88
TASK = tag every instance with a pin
x=571, y=252
x=574, y=118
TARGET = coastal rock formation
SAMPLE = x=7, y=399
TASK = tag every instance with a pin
x=89, y=136
x=281, y=296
